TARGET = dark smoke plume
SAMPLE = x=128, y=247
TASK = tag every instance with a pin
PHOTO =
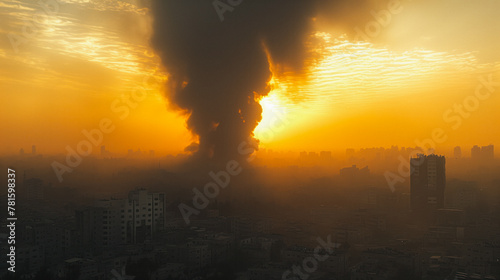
x=219, y=68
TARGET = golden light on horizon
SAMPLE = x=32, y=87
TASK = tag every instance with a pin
x=351, y=79
x=65, y=78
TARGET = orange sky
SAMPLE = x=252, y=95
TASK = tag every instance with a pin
x=83, y=63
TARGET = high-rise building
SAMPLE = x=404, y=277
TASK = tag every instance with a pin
x=475, y=152
x=148, y=214
x=353, y=172
x=427, y=183
x=483, y=153
x=33, y=150
x=457, y=152
x=122, y=221
x=488, y=152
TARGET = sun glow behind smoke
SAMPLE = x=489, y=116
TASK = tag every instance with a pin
x=351, y=75
x=92, y=53
x=274, y=115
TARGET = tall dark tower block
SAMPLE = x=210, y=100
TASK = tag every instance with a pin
x=427, y=183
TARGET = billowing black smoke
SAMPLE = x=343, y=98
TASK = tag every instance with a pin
x=219, y=67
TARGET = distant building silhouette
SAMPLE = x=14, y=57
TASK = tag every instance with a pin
x=312, y=155
x=475, y=152
x=353, y=171
x=457, y=152
x=427, y=183
x=21, y=152
x=483, y=153
x=488, y=152
x=33, y=150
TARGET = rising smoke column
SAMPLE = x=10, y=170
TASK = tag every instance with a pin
x=218, y=68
